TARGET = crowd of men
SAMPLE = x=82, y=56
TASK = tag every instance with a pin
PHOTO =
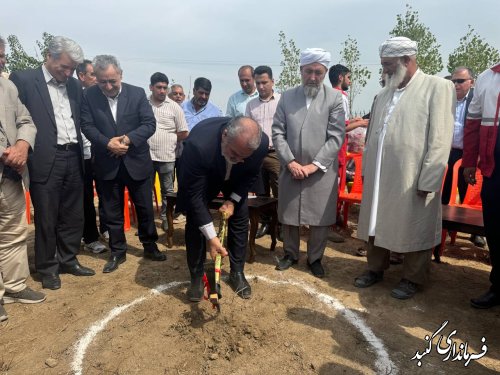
x=62, y=136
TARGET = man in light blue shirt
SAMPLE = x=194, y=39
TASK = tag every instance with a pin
x=199, y=108
x=237, y=103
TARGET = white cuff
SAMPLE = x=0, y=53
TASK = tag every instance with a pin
x=319, y=165
x=208, y=230
x=235, y=197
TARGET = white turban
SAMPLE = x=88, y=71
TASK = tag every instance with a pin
x=398, y=46
x=315, y=55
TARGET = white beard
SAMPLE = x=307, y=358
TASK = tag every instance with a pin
x=311, y=91
x=394, y=81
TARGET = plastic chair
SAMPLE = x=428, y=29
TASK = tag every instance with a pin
x=472, y=200
x=472, y=197
x=346, y=198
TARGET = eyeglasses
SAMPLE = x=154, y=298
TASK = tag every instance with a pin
x=460, y=81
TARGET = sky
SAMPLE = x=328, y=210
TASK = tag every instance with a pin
x=189, y=39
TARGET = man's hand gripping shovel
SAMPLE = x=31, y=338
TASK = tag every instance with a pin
x=211, y=278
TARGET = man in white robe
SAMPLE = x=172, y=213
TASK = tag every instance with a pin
x=308, y=130
x=406, y=152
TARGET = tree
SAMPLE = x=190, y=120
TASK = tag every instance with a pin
x=349, y=56
x=18, y=59
x=473, y=52
x=290, y=73
x=428, y=56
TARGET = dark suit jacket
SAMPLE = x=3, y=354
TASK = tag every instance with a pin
x=203, y=169
x=34, y=94
x=134, y=118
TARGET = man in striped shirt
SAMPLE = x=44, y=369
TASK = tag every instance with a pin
x=171, y=127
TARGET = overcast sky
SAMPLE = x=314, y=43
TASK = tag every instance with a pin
x=213, y=38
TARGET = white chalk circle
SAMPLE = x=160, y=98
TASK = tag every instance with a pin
x=383, y=363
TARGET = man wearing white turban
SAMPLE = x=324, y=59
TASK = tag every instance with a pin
x=406, y=152
x=308, y=131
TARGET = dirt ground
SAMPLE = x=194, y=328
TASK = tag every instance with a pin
x=293, y=324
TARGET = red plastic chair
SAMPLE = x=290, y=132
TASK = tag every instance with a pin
x=472, y=200
x=346, y=198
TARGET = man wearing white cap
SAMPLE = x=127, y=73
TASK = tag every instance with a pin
x=406, y=152
x=308, y=131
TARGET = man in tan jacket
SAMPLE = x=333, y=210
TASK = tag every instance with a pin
x=17, y=137
x=406, y=151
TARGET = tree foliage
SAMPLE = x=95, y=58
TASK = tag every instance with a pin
x=290, y=64
x=349, y=56
x=473, y=52
x=19, y=59
x=428, y=56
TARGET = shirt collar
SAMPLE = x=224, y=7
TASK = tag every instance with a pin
x=268, y=100
x=167, y=100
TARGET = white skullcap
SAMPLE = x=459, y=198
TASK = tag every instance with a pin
x=315, y=55
x=397, y=47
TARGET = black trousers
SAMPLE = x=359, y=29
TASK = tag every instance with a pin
x=490, y=195
x=237, y=240
x=58, y=213
x=112, y=202
x=455, y=155
x=90, y=233
x=102, y=216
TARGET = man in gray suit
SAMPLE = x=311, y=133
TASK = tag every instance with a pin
x=308, y=131
x=17, y=138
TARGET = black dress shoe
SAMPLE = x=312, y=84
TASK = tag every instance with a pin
x=51, y=281
x=153, y=253
x=195, y=291
x=285, y=263
x=478, y=241
x=76, y=270
x=487, y=300
x=240, y=285
x=316, y=268
x=113, y=262
x=263, y=230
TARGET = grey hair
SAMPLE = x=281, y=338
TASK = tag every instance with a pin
x=61, y=44
x=101, y=62
x=2, y=41
x=176, y=85
x=462, y=68
x=237, y=126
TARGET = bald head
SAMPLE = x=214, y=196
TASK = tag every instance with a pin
x=240, y=139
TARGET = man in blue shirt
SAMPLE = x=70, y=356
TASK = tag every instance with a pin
x=237, y=103
x=199, y=108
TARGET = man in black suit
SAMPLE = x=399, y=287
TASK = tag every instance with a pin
x=53, y=99
x=463, y=79
x=118, y=120
x=220, y=154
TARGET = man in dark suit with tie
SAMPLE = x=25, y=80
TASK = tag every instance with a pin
x=53, y=99
x=220, y=154
x=118, y=120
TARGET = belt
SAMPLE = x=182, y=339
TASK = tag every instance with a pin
x=271, y=150
x=69, y=147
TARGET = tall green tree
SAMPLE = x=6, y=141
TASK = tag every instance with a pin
x=19, y=59
x=473, y=52
x=349, y=56
x=428, y=56
x=290, y=64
